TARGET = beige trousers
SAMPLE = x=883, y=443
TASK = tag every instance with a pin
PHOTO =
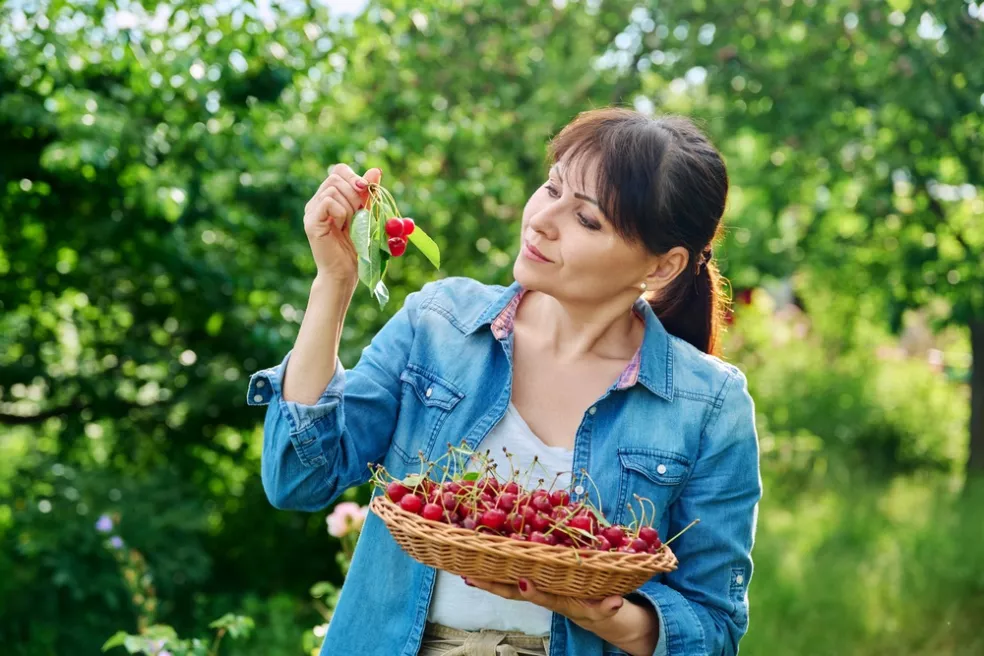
x=444, y=641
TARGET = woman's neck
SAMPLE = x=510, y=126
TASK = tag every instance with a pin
x=571, y=331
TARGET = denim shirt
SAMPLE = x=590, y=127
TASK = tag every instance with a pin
x=678, y=427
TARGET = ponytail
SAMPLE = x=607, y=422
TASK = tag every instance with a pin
x=693, y=307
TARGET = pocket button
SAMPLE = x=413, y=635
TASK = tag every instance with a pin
x=430, y=390
x=661, y=469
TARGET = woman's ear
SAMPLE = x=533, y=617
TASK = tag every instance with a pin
x=666, y=267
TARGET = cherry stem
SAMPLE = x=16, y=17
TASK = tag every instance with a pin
x=584, y=473
x=685, y=529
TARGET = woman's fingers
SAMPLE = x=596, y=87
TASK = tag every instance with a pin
x=571, y=607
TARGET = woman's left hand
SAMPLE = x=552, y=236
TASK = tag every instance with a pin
x=579, y=611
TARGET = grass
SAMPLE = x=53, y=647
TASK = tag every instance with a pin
x=868, y=568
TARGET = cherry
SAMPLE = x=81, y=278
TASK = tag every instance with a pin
x=582, y=522
x=640, y=545
x=396, y=491
x=614, y=535
x=626, y=549
x=540, y=522
x=408, y=227
x=469, y=522
x=603, y=544
x=516, y=522
x=493, y=519
x=412, y=503
x=517, y=536
x=512, y=487
x=433, y=512
x=542, y=503
x=560, y=498
x=538, y=537
x=449, y=501
x=395, y=228
x=649, y=534
x=397, y=246
x=506, y=501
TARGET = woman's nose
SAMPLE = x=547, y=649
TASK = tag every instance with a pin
x=544, y=222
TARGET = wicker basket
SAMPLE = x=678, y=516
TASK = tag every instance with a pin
x=559, y=570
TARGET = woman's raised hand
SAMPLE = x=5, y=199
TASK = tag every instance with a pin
x=328, y=219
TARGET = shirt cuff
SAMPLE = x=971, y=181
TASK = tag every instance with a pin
x=680, y=630
x=266, y=386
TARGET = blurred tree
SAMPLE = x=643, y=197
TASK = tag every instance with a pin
x=855, y=134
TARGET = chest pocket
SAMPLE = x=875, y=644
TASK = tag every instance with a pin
x=653, y=474
x=425, y=405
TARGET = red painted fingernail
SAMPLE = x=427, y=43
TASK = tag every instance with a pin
x=361, y=184
x=522, y=585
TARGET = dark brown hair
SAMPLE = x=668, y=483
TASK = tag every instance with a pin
x=662, y=183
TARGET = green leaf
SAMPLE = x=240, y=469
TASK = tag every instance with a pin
x=427, y=246
x=381, y=293
x=361, y=232
x=412, y=480
x=116, y=641
x=365, y=276
x=470, y=476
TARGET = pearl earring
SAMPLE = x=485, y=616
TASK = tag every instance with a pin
x=643, y=286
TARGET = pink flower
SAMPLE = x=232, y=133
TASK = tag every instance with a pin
x=347, y=516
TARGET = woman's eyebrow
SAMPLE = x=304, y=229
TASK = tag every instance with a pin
x=556, y=169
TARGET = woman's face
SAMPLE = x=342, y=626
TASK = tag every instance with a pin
x=569, y=249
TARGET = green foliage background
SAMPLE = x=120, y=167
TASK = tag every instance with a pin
x=154, y=165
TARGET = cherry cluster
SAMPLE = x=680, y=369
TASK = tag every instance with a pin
x=505, y=508
x=398, y=231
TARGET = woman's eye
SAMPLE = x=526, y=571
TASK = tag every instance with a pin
x=552, y=191
x=590, y=224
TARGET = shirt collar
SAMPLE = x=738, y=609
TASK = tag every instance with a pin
x=651, y=366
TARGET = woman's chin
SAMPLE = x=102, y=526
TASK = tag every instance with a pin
x=525, y=275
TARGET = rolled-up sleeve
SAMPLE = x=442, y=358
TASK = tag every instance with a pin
x=313, y=453
x=703, y=605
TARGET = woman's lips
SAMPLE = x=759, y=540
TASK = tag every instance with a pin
x=531, y=252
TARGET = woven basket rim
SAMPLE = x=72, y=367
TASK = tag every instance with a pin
x=579, y=557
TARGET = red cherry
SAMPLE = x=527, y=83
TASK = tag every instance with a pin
x=469, y=522
x=603, y=544
x=614, y=535
x=542, y=503
x=626, y=549
x=396, y=491
x=516, y=522
x=517, y=536
x=511, y=488
x=397, y=246
x=493, y=519
x=639, y=545
x=395, y=228
x=560, y=498
x=540, y=522
x=506, y=501
x=433, y=512
x=538, y=537
x=449, y=501
x=582, y=522
x=408, y=227
x=649, y=534
x=412, y=503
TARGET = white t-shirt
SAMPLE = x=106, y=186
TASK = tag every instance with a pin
x=459, y=606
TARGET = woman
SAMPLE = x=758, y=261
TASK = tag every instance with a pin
x=598, y=359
